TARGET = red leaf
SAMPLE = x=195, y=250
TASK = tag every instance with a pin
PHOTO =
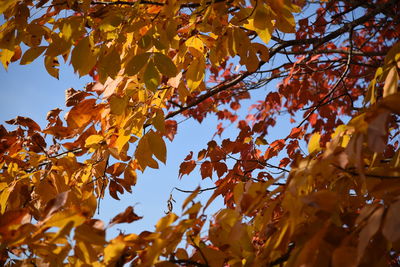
x=186, y=167
x=170, y=129
x=189, y=156
x=313, y=119
x=295, y=133
x=220, y=168
x=206, y=169
x=284, y=162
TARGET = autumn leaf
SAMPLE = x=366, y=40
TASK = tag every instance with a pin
x=127, y=216
x=137, y=63
x=313, y=144
x=83, y=57
x=157, y=146
x=165, y=65
x=186, y=167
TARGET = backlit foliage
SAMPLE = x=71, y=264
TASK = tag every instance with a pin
x=337, y=204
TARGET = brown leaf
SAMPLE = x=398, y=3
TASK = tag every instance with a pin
x=73, y=97
x=127, y=216
x=373, y=224
x=170, y=129
x=391, y=227
x=344, y=257
x=55, y=204
x=206, y=169
x=114, y=188
x=186, y=167
x=26, y=122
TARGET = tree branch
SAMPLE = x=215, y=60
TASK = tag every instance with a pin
x=200, y=191
x=147, y=2
x=314, y=41
x=366, y=174
x=323, y=100
x=334, y=51
x=284, y=257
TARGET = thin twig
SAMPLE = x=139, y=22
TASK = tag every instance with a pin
x=191, y=191
x=321, y=102
x=198, y=248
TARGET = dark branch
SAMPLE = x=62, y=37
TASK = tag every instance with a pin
x=284, y=257
x=366, y=174
x=146, y=2
x=335, y=51
x=200, y=191
x=187, y=263
x=226, y=85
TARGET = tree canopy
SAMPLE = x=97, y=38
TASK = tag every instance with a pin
x=330, y=67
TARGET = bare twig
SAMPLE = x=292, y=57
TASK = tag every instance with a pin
x=366, y=174
x=322, y=101
x=200, y=191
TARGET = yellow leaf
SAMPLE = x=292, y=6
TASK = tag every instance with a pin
x=62, y=218
x=151, y=77
x=51, y=63
x=165, y=221
x=94, y=140
x=159, y=121
x=114, y=250
x=165, y=65
x=118, y=104
x=143, y=154
x=391, y=82
x=5, y=4
x=90, y=234
x=137, y=63
x=195, y=74
x=264, y=34
x=157, y=146
x=372, y=92
x=195, y=45
x=4, y=198
x=313, y=144
x=123, y=138
x=5, y=57
x=83, y=57
x=31, y=54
